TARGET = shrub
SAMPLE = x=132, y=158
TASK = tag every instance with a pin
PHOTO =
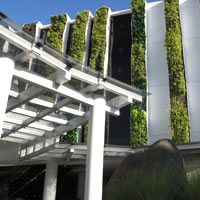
x=173, y=42
x=98, y=39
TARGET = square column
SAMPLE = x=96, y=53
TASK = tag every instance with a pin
x=6, y=74
x=95, y=151
x=50, y=182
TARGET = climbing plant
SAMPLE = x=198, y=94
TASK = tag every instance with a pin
x=98, y=39
x=138, y=125
x=173, y=43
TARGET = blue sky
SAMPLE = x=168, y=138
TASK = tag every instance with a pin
x=26, y=11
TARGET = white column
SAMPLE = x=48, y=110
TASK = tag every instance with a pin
x=50, y=181
x=95, y=151
x=6, y=74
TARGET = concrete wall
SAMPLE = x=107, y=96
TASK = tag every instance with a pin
x=8, y=152
x=190, y=24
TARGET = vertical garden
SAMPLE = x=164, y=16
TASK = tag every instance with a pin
x=98, y=39
x=78, y=48
x=173, y=41
x=138, y=126
x=55, y=39
x=78, y=37
x=55, y=35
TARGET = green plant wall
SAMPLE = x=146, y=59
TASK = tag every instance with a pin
x=173, y=42
x=78, y=36
x=138, y=125
x=71, y=137
x=55, y=39
x=78, y=49
x=98, y=39
x=30, y=27
x=55, y=34
x=78, y=45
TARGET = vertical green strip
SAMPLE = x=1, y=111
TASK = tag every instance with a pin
x=55, y=39
x=173, y=42
x=98, y=39
x=78, y=49
x=78, y=36
x=138, y=126
x=30, y=27
x=55, y=34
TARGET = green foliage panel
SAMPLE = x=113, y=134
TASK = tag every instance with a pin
x=138, y=21
x=138, y=78
x=78, y=36
x=138, y=126
x=71, y=136
x=30, y=27
x=55, y=34
x=173, y=44
x=98, y=47
x=85, y=133
x=78, y=50
x=55, y=39
x=179, y=121
x=98, y=39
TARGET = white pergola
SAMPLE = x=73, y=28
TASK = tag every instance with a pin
x=30, y=118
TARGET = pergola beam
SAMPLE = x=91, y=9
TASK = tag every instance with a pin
x=46, y=104
x=50, y=85
x=57, y=64
x=48, y=118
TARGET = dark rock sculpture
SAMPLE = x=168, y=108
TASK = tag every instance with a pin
x=154, y=174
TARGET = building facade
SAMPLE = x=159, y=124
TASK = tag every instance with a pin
x=153, y=47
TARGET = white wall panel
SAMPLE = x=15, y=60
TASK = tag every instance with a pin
x=190, y=15
x=158, y=103
x=190, y=24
